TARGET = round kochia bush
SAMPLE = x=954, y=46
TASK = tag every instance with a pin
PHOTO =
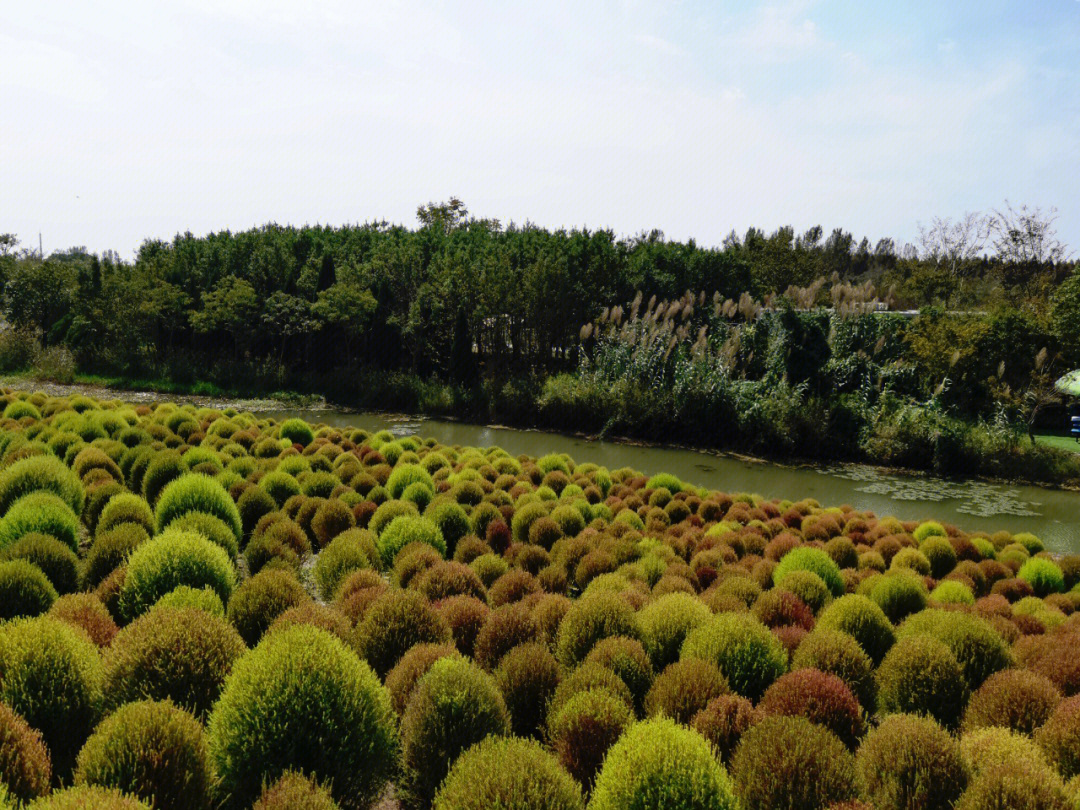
x=24, y=761
x=172, y=559
x=42, y=513
x=40, y=473
x=821, y=698
x=177, y=654
x=88, y=797
x=863, y=620
x=684, y=689
x=910, y=761
x=261, y=599
x=294, y=791
x=52, y=677
x=395, y=622
x=665, y=624
x=296, y=431
x=806, y=558
x=584, y=728
x=976, y=644
x=920, y=675
x=508, y=774
x=658, y=763
x=528, y=676
x=1059, y=738
x=1044, y=576
x=1013, y=698
x=748, y=655
x=595, y=616
x=55, y=559
x=790, y=762
x=301, y=700
x=24, y=590
x=839, y=654
x=151, y=750
x=455, y=705
x=196, y=492
x=127, y=507
x=406, y=529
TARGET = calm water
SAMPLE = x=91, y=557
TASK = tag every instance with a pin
x=1052, y=515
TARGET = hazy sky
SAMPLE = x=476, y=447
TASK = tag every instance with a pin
x=123, y=121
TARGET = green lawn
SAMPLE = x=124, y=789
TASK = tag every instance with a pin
x=1060, y=442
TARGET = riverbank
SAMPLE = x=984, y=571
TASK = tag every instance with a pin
x=208, y=394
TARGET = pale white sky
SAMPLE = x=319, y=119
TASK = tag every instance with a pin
x=128, y=120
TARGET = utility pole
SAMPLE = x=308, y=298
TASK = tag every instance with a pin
x=40, y=249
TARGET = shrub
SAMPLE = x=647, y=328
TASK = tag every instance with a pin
x=778, y=608
x=748, y=655
x=405, y=475
x=177, y=654
x=40, y=473
x=151, y=750
x=511, y=586
x=839, y=654
x=595, y=616
x=977, y=646
x=451, y=521
x=395, y=622
x=911, y=762
x=806, y=558
x=927, y=529
x=940, y=554
x=125, y=507
x=1017, y=786
x=56, y=560
x=899, y=594
x=790, y=762
x=1014, y=699
x=1043, y=576
x=404, y=530
x=109, y=551
x=261, y=599
x=52, y=676
x=294, y=791
x=465, y=616
x=195, y=492
x=988, y=748
x=821, y=698
x=280, y=486
x=723, y=722
x=284, y=700
x=454, y=706
x=344, y=554
x=685, y=688
x=809, y=587
x=86, y=611
x=952, y=592
x=25, y=769
x=331, y=519
x=863, y=620
x=172, y=559
x=528, y=676
x=414, y=664
x=296, y=431
x=504, y=629
x=162, y=470
x=627, y=659
x=448, y=578
x=1059, y=737
x=508, y=774
x=658, y=763
x=583, y=730
x=252, y=505
x=88, y=797
x=41, y=513
x=24, y=590
x=921, y=676
x=584, y=678
x=186, y=596
x=911, y=559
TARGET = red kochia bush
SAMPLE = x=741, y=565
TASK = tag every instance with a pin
x=723, y=722
x=1059, y=737
x=505, y=628
x=1013, y=698
x=821, y=698
x=685, y=688
x=465, y=615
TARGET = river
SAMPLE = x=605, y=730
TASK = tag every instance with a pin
x=1052, y=515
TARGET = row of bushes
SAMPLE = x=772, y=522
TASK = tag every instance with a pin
x=203, y=608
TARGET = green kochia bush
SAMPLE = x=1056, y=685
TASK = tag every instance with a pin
x=52, y=676
x=88, y=797
x=790, y=762
x=863, y=620
x=920, y=675
x=25, y=769
x=294, y=791
x=169, y=653
x=43, y=513
x=297, y=431
x=1044, y=576
x=593, y=617
x=151, y=750
x=24, y=590
x=455, y=705
x=303, y=701
x=748, y=655
x=976, y=644
x=910, y=761
x=172, y=559
x=814, y=560
x=36, y=473
x=659, y=763
x=665, y=624
x=55, y=559
x=507, y=774
x=404, y=530
x=261, y=599
x=195, y=492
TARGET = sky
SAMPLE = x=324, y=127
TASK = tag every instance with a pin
x=124, y=121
